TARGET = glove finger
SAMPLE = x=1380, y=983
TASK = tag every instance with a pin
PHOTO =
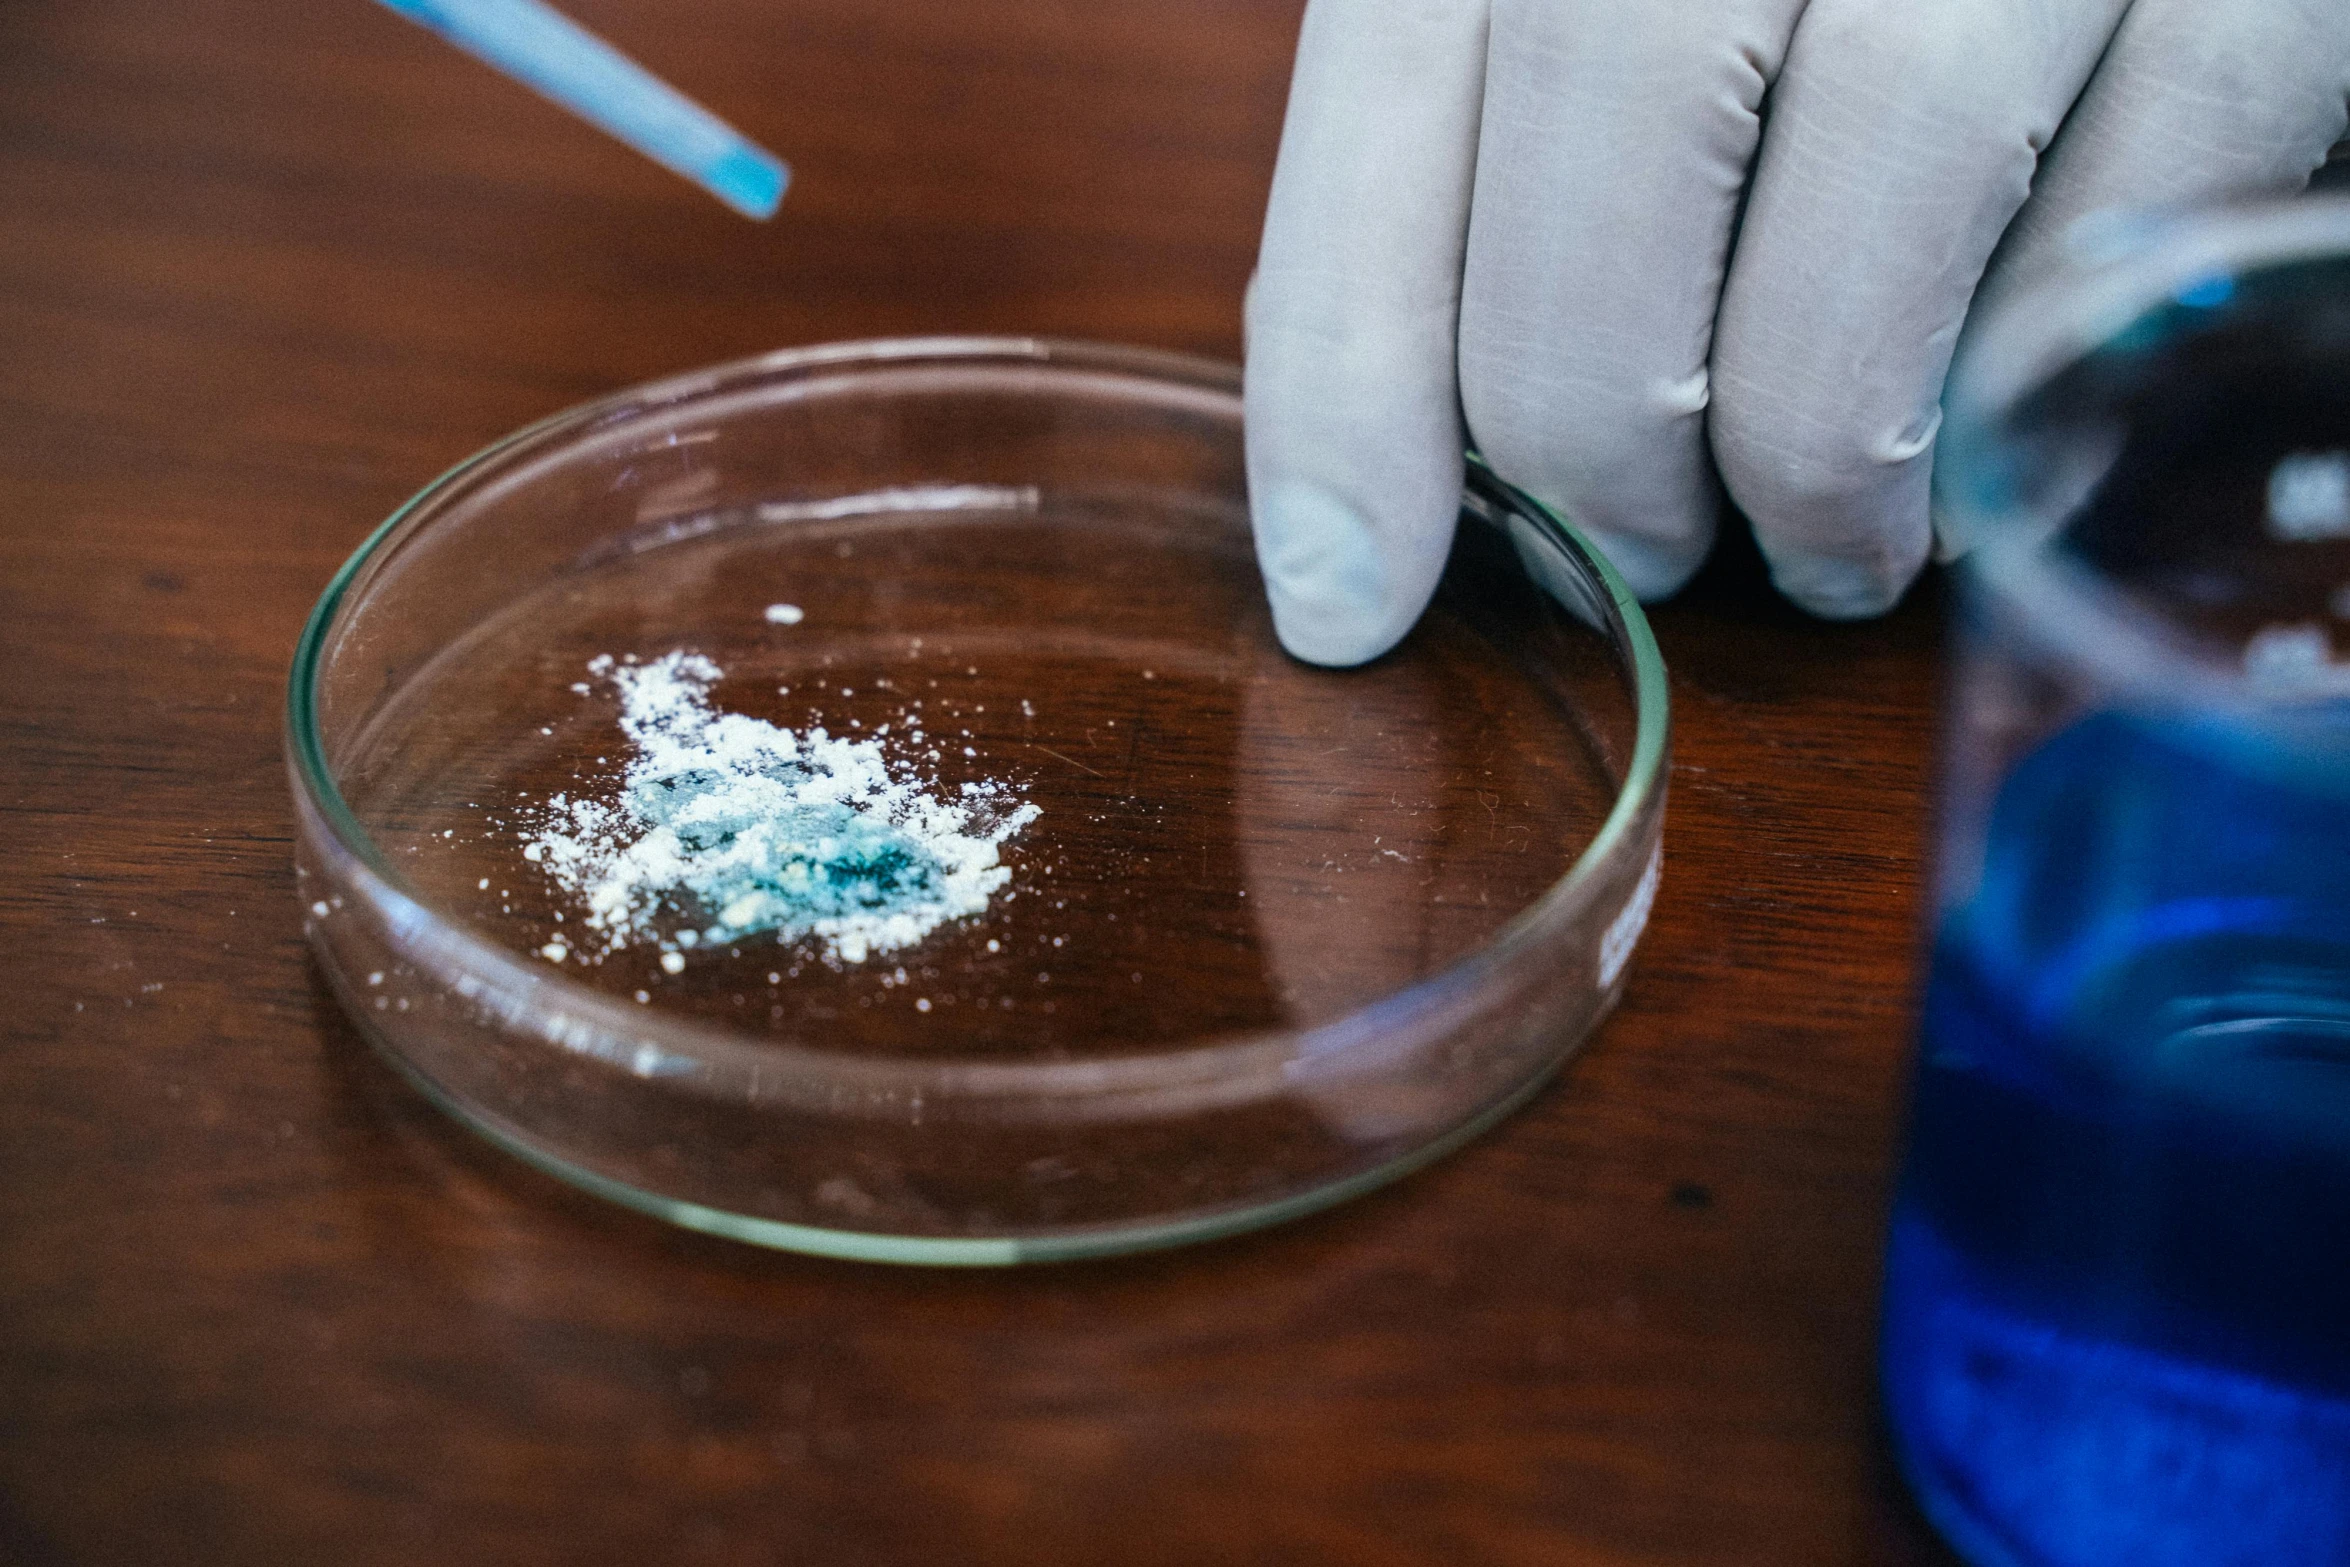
x=2193, y=102
x=1901, y=140
x=1616, y=139
x=1353, y=406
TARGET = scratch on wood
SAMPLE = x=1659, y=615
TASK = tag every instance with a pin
x=1071, y=760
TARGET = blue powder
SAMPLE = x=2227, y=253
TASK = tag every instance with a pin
x=728, y=827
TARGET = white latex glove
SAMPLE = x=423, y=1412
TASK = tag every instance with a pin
x=1638, y=243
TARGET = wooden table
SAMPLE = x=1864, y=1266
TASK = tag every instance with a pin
x=264, y=270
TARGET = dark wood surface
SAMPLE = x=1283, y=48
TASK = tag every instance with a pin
x=264, y=270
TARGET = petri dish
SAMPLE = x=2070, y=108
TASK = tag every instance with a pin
x=1247, y=936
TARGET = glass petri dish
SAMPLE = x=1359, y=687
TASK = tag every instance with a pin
x=1248, y=936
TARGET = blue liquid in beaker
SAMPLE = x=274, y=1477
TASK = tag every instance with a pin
x=2117, y=1319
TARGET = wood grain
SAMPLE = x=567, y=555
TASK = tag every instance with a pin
x=264, y=270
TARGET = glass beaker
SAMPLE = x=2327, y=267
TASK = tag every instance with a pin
x=2117, y=1298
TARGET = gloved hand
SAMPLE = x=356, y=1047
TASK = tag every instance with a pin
x=1637, y=243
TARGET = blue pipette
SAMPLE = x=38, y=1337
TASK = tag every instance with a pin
x=547, y=51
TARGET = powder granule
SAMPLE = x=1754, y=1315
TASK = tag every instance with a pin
x=728, y=826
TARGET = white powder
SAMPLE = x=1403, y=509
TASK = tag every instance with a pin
x=729, y=826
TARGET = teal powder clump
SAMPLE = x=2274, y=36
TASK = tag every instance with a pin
x=728, y=827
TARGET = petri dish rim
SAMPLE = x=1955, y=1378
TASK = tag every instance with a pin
x=553, y=1007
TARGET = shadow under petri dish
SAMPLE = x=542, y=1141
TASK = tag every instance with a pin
x=1228, y=840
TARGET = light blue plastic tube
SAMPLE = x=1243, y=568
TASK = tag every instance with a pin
x=545, y=50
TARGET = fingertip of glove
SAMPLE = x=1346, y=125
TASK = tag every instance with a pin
x=1332, y=590
x=1838, y=588
x=1653, y=569
x=1318, y=639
